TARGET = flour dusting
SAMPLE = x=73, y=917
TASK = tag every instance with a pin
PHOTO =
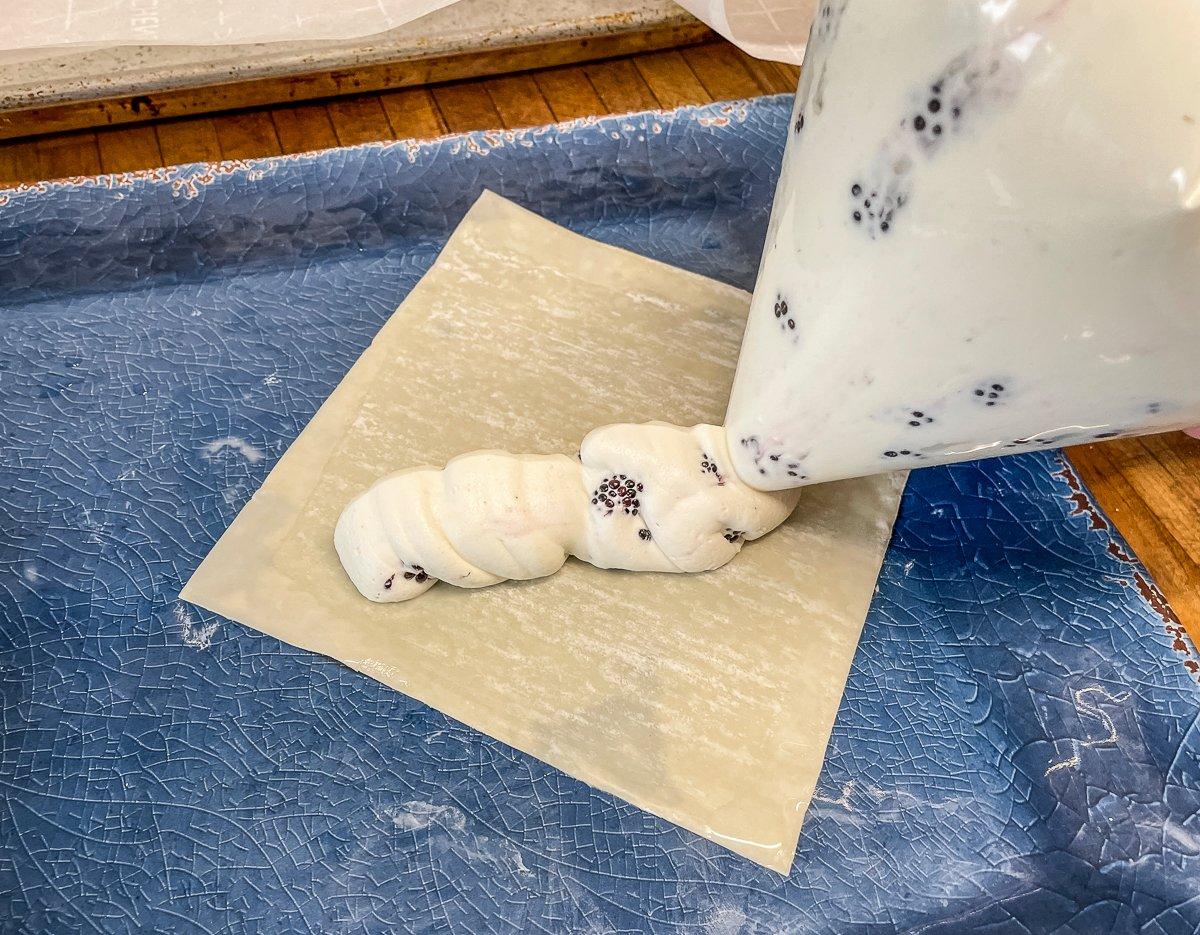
x=451, y=823
x=417, y=816
x=233, y=443
x=726, y=920
x=198, y=636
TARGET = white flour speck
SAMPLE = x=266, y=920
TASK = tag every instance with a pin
x=451, y=823
x=195, y=635
x=235, y=444
x=725, y=920
x=417, y=816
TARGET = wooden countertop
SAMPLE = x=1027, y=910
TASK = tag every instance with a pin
x=1149, y=487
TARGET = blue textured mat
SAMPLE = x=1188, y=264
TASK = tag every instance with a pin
x=1017, y=748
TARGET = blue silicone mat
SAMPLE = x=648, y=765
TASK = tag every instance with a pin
x=1016, y=750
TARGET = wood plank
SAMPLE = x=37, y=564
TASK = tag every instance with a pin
x=519, y=102
x=127, y=149
x=466, y=107
x=500, y=60
x=68, y=155
x=671, y=80
x=247, y=135
x=1164, y=470
x=413, y=114
x=569, y=93
x=19, y=163
x=1166, y=474
x=1104, y=468
x=190, y=140
x=769, y=78
x=789, y=73
x=1178, y=458
x=302, y=128
x=359, y=120
x=719, y=69
x=620, y=86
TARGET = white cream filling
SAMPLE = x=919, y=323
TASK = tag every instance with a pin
x=651, y=497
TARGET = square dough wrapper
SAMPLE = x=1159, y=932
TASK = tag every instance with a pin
x=707, y=700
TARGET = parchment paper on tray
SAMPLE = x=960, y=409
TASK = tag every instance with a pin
x=707, y=700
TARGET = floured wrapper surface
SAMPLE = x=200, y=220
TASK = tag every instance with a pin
x=705, y=699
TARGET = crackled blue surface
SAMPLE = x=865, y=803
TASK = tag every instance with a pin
x=1017, y=748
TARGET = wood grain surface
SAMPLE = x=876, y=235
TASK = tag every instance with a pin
x=256, y=92
x=1149, y=487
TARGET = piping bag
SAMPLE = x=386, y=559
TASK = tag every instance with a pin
x=985, y=238
x=984, y=241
